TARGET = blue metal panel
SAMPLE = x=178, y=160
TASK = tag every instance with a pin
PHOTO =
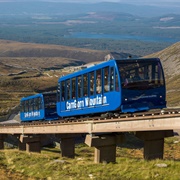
x=140, y=100
x=90, y=105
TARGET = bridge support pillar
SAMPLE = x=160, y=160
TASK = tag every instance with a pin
x=22, y=146
x=154, y=143
x=105, y=146
x=30, y=143
x=67, y=145
x=1, y=141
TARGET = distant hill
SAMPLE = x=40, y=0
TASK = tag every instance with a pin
x=47, y=8
x=18, y=49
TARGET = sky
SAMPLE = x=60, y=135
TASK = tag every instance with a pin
x=124, y=1
x=94, y=1
x=137, y=2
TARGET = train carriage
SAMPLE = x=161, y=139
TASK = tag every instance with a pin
x=126, y=85
x=39, y=107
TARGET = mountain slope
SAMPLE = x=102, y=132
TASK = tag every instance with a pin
x=170, y=58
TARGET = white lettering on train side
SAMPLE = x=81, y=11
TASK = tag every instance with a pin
x=32, y=114
x=98, y=100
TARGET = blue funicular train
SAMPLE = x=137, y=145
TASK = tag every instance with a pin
x=115, y=86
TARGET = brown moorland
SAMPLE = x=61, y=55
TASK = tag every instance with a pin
x=27, y=68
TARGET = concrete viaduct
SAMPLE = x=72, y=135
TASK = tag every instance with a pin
x=103, y=134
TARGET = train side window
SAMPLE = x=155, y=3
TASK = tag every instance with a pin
x=41, y=106
x=98, y=81
x=62, y=89
x=26, y=106
x=31, y=105
x=36, y=105
x=92, y=87
x=160, y=75
x=106, y=79
x=112, y=79
x=22, y=106
x=79, y=91
x=68, y=89
x=73, y=88
x=85, y=84
x=116, y=82
x=59, y=88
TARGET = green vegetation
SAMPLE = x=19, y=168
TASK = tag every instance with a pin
x=129, y=164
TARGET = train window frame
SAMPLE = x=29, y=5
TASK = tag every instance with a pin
x=73, y=88
x=116, y=83
x=92, y=83
x=141, y=75
x=36, y=104
x=85, y=84
x=99, y=81
x=112, y=79
x=59, y=89
x=62, y=91
x=79, y=86
x=68, y=89
x=106, y=79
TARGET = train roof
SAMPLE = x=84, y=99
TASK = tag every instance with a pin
x=36, y=95
x=104, y=64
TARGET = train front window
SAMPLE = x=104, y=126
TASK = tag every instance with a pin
x=141, y=74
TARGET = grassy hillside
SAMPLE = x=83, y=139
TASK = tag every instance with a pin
x=129, y=164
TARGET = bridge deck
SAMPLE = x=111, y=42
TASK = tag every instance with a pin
x=151, y=122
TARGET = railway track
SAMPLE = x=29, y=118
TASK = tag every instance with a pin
x=152, y=114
